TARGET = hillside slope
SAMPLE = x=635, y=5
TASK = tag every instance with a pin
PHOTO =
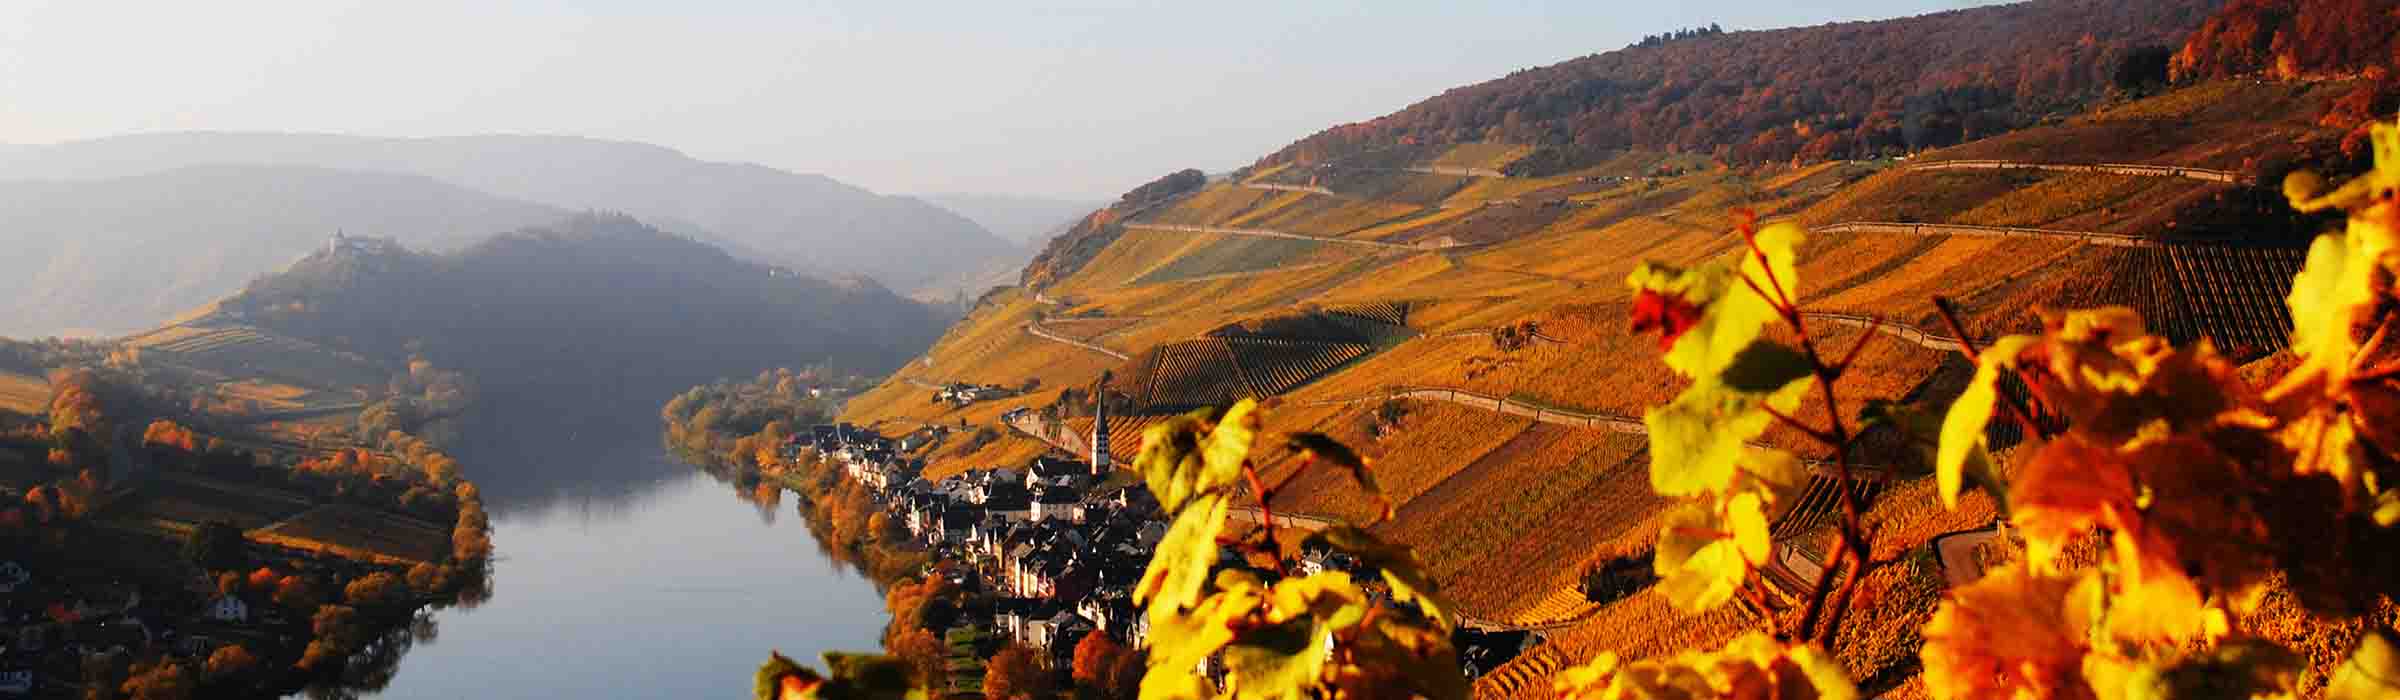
x=794, y=219
x=1837, y=90
x=112, y=255
x=1504, y=415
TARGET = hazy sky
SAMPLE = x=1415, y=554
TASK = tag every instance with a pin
x=1081, y=100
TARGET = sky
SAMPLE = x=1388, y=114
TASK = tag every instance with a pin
x=1062, y=100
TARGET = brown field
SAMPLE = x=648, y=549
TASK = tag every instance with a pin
x=358, y=533
x=24, y=394
x=186, y=500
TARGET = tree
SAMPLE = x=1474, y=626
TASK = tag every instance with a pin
x=375, y=590
x=264, y=579
x=339, y=632
x=229, y=583
x=925, y=654
x=166, y=680
x=215, y=545
x=1095, y=659
x=295, y=594
x=228, y=661
x=427, y=579
x=1015, y=672
x=2143, y=67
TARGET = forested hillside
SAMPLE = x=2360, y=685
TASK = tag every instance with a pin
x=2291, y=38
x=1833, y=91
x=592, y=319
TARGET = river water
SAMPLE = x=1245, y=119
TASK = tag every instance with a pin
x=641, y=578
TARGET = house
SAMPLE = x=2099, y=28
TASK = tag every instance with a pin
x=228, y=609
x=13, y=575
x=1059, y=505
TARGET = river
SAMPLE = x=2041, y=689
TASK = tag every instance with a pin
x=646, y=578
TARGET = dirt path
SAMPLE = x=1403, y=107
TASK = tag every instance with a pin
x=2224, y=176
x=1037, y=330
x=1267, y=233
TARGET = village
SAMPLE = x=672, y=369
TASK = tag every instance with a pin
x=1058, y=545
x=62, y=616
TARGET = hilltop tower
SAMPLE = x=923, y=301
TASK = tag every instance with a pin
x=1102, y=464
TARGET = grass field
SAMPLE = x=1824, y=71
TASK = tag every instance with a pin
x=358, y=533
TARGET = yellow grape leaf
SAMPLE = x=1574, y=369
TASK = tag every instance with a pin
x=1330, y=597
x=1747, y=514
x=2111, y=381
x=2246, y=668
x=1186, y=456
x=1170, y=462
x=2175, y=508
x=1395, y=656
x=2371, y=673
x=1588, y=681
x=1752, y=667
x=1180, y=639
x=1179, y=569
x=2011, y=634
x=1698, y=563
x=1400, y=567
x=1164, y=683
x=2335, y=290
x=1279, y=661
x=1729, y=312
x=1697, y=440
x=1228, y=445
x=1963, y=427
x=2325, y=441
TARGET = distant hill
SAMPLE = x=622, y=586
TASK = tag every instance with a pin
x=1830, y=91
x=585, y=323
x=794, y=219
x=115, y=254
x=1029, y=221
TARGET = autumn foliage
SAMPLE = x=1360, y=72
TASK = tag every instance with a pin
x=2291, y=39
x=1839, y=90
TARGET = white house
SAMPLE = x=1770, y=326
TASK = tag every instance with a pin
x=229, y=609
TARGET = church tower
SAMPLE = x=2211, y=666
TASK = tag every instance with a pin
x=1102, y=463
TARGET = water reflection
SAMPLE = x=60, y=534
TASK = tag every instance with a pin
x=633, y=575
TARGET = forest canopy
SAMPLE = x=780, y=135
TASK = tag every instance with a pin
x=1840, y=90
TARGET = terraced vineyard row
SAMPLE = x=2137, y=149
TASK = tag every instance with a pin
x=1180, y=376
x=1389, y=312
x=1820, y=503
x=2234, y=295
x=1275, y=365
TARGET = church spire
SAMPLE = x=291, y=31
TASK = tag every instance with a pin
x=1102, y=463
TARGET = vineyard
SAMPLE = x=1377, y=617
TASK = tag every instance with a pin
x=354, y=532
x=246, y=351
x=181, y=501
x=2233, y=295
